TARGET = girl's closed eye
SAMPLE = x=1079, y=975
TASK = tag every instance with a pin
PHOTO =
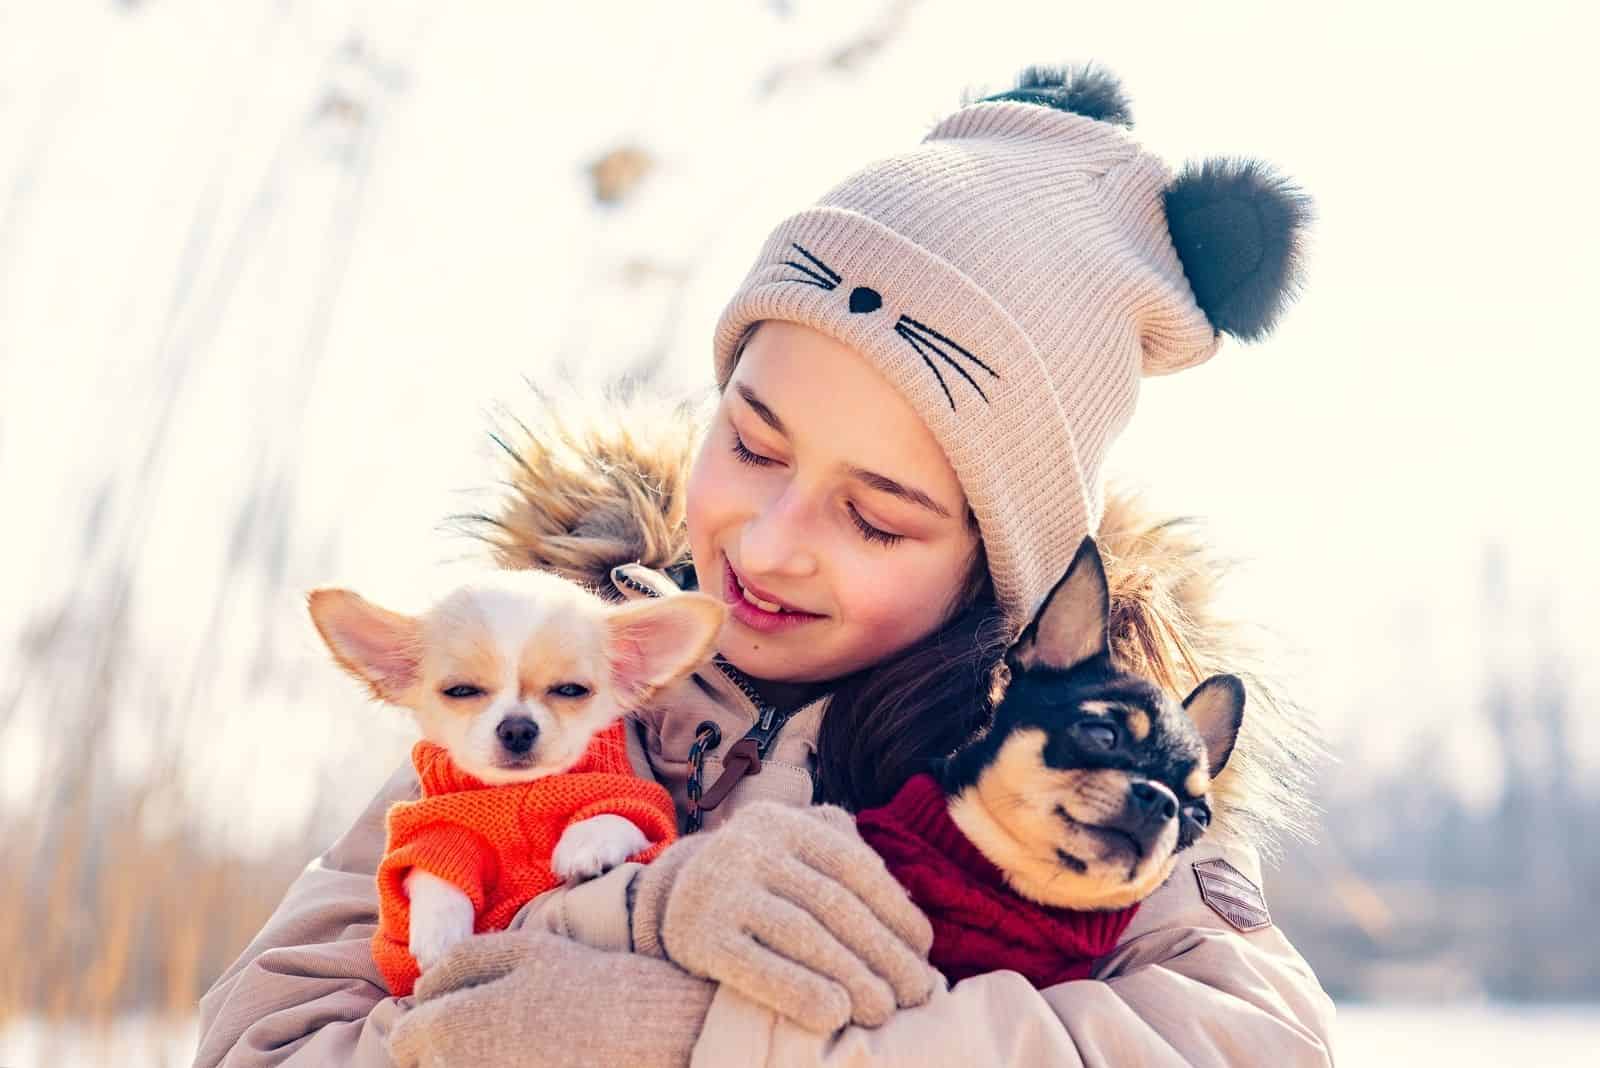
x=744, y=453
x=870, y=532
x=747, y=455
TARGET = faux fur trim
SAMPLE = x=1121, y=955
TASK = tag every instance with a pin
x=593, y=483
x=1168, y=624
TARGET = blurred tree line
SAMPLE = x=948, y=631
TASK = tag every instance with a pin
x=1418, y=890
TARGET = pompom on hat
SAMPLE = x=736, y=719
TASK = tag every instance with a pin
x=1014, y=275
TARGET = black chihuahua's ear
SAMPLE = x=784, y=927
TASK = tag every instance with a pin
x=1070, y=628
x=1217, y=708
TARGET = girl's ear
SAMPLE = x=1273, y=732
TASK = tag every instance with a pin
x=652, y=643
x=1217, y=709
x=1070, y=628
x=381, y=648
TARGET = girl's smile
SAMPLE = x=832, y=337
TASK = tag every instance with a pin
x=824, y=511
x=759, y=611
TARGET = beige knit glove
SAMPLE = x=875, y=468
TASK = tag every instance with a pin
x=793, y=910
x=519, y=999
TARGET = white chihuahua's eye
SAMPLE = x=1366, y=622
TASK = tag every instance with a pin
x=462, y=690
x=569, y=689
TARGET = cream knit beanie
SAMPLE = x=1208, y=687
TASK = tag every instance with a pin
x=1014, y=276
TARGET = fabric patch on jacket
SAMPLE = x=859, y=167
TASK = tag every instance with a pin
x=1232, y=895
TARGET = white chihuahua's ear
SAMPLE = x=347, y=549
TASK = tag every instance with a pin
x=652, y=643
x=381, y=648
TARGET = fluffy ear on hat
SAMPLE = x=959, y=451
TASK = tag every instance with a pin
x=1085, y=90
x=1239, y=228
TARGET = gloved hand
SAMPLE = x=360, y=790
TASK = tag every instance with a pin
x=519, y=999
x=793, y=910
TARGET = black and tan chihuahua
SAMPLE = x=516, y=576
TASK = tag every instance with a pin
x=1090, y=780
x=1031, y=848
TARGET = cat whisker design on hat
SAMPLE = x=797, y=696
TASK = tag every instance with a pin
x=919, y=335
x=1063, y=263
x=923, y=339
x=828, y=278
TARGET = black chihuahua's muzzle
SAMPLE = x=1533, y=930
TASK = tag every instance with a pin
x=1148, y=810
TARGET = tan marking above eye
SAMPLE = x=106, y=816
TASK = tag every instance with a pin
x=545, y=666
x=1138, y=722
x=1100, y=708
x=1197, y=782
x=470, y=659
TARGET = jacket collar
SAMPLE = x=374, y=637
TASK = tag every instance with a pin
x=720, y=694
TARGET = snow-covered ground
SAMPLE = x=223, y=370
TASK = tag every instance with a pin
x=1462, y=1036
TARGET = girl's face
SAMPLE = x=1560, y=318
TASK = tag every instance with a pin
x=818, y=489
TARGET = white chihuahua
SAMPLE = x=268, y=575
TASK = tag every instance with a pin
x=513, y=676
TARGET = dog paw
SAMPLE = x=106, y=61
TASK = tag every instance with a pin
x=441, y=917
x=595, y=845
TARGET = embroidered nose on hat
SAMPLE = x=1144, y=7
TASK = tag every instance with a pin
x=863, y=299
x=1039, y=262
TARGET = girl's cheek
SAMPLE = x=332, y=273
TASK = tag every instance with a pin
x=704, y=497
x=922, y=589
x=887, y=595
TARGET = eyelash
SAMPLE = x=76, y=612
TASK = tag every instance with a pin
x=746, y=456
x=879, y=537
x=870, y=532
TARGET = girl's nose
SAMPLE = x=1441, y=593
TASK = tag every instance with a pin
x=774, y=540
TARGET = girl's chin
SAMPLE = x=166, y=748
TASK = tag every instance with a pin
x=771, y=657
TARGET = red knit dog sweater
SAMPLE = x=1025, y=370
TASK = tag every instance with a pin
x=495, y=842
x=979, y=924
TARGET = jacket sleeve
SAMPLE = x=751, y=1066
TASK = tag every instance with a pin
x=1183, y=989
x=593, y=912
x=306, y=991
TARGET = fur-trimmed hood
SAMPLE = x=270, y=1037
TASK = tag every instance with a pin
x=593, y=483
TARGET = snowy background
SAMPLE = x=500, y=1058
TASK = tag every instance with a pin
x=267, y=268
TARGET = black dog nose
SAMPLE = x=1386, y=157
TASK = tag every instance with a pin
x=517, y=734
x=1157, y=805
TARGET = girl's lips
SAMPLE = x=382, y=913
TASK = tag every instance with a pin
x=754, y=616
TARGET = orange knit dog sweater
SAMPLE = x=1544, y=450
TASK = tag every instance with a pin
x=495, y=842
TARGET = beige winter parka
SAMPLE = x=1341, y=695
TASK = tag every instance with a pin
x=1202, y=977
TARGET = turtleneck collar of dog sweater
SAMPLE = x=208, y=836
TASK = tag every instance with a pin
x=979, y=924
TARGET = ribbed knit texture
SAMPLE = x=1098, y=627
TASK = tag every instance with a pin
x=979, y=924
x=1035, y=240
x=495, y=842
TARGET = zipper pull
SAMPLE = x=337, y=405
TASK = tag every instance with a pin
x=744, y=758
